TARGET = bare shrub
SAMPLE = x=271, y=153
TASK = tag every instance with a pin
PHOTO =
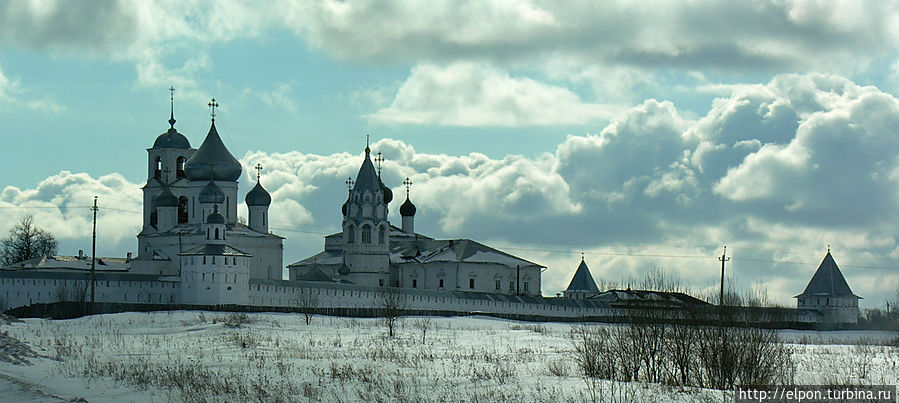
x=391, y=304
x=593, y=351
x=308, y=303
x=236, y=320
x=558, y=367
x=423, y=325
x=536, y=328
x=862, y=355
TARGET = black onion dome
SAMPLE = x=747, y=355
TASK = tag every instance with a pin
x=213, y=160
x=407, y=209
x=211, y=193
x=166, y=198
x=171, y=139
x=258, y=196
x=215, y=218
x=388, y=194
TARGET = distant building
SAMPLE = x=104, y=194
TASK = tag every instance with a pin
x=829, y=293
x=582, y=285
x=372, y=252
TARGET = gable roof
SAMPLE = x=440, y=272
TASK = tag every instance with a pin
x=582, y=280
x=828, y=280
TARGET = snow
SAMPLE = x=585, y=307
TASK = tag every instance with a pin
x=190, y=355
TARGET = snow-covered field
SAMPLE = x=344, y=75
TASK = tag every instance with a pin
x=195, y=356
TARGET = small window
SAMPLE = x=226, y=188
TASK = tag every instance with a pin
x=380, y=282
x=179, y=167
x=414, y=283
x=497, y=285
x=441, y=283
x=157, y=168
x=351, y=234
x=471, y=283
x=217, y=237
x=525, y=286
x=511, y=286
x=382, y=235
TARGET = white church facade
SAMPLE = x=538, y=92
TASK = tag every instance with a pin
x=369, y=251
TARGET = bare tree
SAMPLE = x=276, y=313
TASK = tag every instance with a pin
x=26, y=241
x=308, y=303
x=423, y=325
x=391, y=305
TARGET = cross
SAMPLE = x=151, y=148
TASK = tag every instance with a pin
x=258, y=171
x=166, y=171
x=172, y=97
x=408, y=183
x=828, y=248
x=349, y=183
x=212, y=105
x=379, y=159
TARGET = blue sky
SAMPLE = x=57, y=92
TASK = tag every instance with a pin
x=647, y=135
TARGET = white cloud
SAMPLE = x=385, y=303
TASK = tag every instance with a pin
x=772, y=191
x=466, y=94
x=61, y=204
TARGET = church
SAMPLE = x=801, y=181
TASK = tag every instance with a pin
x=370, y=251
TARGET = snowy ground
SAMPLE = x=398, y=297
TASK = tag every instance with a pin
x=194, y=356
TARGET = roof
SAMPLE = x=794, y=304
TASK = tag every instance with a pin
x=407, y=209
x=213, y=154
x=65, y=263
x=828, y=280
x=367, y=178
x=314, y=274
x=214, y=250
x=422, y=249
x=258, y=196
x=171, y=139
x=166, y=198
x=582, y=280
x=648, y=297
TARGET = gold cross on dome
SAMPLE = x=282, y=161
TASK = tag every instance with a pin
x=212, y=105
x=408, y=184
x=378, y=160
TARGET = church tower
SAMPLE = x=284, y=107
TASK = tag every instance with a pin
x=366, y=231
x=165, y=170
x=258, y=200
x=213, y=162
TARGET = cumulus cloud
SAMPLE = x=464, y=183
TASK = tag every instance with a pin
x=775, y=171
x=61, y=204
x=465, y=94
x=612, y=44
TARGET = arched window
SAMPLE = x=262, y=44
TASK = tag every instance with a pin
x=382, y=235
x=179, y=167
x=153, y=219
x=366, y=233
x=351, y=234
x=216, y=233
x=182, y=210
x=207, y=233
x=157, y=168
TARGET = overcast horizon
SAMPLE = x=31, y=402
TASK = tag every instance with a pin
x=645, y=135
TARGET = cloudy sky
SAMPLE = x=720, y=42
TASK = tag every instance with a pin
x=646, y=135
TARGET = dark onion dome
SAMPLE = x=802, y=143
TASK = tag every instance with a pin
x=214, y=154
x=258, y=196
x=407, y=209
x=211, y=193
x=215, y=217
x=166, y=198
x=171, y=139
x=343, y=209
x=388, y=194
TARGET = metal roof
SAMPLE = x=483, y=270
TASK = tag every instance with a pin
x=828, y=280
x=582, y=280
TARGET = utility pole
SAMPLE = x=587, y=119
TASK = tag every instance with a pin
x=722, y=259
x=94, y=252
